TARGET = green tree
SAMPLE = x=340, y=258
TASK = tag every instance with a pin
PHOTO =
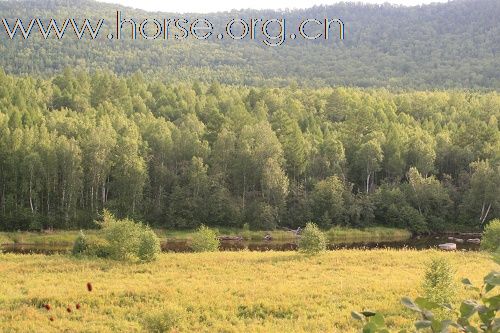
x=327, y=202
x=483, y=196
x=369, y=158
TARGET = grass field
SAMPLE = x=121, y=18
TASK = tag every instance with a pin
x=218, y=292
x=334, y=234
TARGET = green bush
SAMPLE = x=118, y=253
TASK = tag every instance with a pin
x=439, y=284
x=312, y=240
x=97, y=247
x=90, y=246
x=161, y=321
x=246, y=231
x=120, y=240
x=81, y=244
x=205, y=240
x=149, y=245
x=123, y=237
x=485, y=305
x=491, y=236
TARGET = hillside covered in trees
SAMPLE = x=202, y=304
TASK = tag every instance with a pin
x=448, y=45
x=180, y=155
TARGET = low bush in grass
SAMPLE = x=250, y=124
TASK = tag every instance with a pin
x=149, y=245
x=247, y=235
x=98, y=247
x=164, y=320
x=205, y=240
x=439, y=284
x=312, y=240
x=491, y=236
x=81, y=244
x=119, y=240
x=91, y=246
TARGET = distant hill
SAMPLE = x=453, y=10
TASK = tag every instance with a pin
x=450, y=45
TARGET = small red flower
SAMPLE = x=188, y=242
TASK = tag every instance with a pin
x=51, y=318
x=89, y=286
x=68, y=309
x=78, y=306
x=47, y=307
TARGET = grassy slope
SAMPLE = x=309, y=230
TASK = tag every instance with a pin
x=334, y=234
x=219, y=292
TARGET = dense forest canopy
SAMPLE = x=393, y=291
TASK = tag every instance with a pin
x=178, y=155
x=447, y=45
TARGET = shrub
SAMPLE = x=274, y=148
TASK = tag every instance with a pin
x=97, y=247
x=491, y=236
x=205, y=240
x=90, y=246
x=246, y=231
x=439, y=285
x=312, y=240
x=149, y=245
x=123, y=237
x=120, y=240
x=486, y=308
x=160, y=321
x=81, y=244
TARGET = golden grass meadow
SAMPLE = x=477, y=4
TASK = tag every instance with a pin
x=219, y=292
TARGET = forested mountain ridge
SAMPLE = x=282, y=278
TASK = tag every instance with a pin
x=184, y=154
x=448, y=45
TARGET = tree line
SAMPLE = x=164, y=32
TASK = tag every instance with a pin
x=181, y=155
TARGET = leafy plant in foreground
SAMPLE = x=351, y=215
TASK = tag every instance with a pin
x=374, y=322
x=486, y=309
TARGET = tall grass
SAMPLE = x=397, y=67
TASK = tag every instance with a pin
x=218, y=292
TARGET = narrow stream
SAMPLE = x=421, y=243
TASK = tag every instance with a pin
x=418, y=243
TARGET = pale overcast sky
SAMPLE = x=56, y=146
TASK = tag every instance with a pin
x=206, y=6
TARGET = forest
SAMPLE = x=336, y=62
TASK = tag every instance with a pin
x=228, y=186
x=438, y=46
x=181, y=155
